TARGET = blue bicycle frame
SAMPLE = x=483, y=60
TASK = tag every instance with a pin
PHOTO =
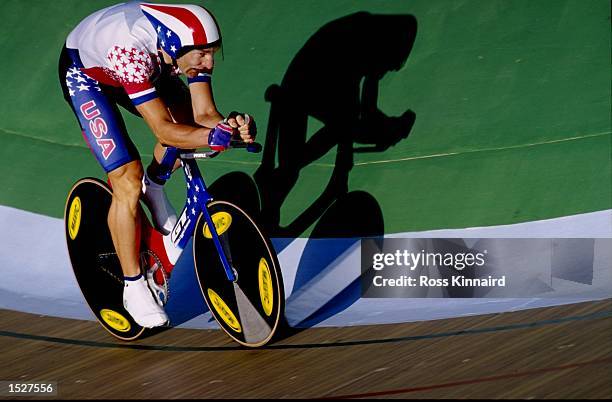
x=195, y=204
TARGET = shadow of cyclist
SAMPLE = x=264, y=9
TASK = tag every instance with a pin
x=334, y=79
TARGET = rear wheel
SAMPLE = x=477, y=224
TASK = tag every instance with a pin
x=93, y=257
x=250, y=309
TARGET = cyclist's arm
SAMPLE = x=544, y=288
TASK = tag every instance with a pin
x=206, y=114
x=205, y=111
x=167, y=131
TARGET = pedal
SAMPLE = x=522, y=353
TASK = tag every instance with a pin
x=156, y=276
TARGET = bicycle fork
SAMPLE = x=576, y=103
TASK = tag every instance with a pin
x=197, y=186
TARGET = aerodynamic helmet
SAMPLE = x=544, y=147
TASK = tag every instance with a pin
x=182, y=27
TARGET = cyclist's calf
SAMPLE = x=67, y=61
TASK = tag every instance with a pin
x=123, y=215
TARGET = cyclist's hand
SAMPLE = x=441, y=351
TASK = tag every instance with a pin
x=245, y=125
x=219, y=137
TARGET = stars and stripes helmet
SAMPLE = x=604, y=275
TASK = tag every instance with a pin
x=182, y=27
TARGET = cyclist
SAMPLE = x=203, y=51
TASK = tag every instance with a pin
x=131, y=55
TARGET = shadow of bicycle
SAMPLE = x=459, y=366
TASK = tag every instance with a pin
x=334, y=78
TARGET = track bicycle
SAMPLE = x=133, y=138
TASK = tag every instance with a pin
x=236, y=266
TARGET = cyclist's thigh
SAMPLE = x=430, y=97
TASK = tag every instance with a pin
x=101, y=122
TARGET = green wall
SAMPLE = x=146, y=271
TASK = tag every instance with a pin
x=512, y=105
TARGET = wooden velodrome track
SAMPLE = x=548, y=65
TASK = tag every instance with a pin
x=557, y=352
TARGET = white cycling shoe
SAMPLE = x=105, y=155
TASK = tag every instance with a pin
x=154, y=196
x=140, y=303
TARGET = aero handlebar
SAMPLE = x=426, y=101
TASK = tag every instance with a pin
x=253, y=147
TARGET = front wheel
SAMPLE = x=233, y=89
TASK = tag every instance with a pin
x=249, y=309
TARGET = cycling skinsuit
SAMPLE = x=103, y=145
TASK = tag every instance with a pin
x=111, y=58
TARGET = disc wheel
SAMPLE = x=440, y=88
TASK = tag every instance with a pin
x=249, y=309
x=94, y=261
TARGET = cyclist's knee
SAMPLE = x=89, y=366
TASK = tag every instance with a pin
x=126, y=181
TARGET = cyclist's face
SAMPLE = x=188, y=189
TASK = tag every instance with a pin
x=196, y=61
